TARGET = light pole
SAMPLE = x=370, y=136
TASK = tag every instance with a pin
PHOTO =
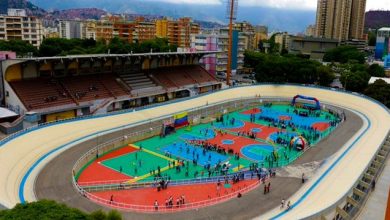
x=231, y=14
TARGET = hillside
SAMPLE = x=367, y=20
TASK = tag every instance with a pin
x=377, y=19
x=31, y=9
x=79, y=13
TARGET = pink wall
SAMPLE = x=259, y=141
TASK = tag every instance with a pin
x=7, y=55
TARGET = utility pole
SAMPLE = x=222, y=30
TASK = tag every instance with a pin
x=231, y=15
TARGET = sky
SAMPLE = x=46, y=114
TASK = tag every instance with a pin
x=282, y=4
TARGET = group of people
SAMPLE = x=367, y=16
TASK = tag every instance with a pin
x=169, y=203
x=163, y=184
x=249, y=134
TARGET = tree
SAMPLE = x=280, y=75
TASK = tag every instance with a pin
x=344, y=54
x=380, y=91
x=288, y=68
x=22, y=48
x=376, y=70
x=42, y=210
x=46, y=209
x=355, y=81
x=325, y=75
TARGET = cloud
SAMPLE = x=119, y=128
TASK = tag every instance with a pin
x=286, y=4
x=282, y=4
x=197, y=2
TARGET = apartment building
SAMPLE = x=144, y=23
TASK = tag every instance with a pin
x=340, y=20
x=144, y=30
x=179, y=31
x=220, y=40
x=16, y=25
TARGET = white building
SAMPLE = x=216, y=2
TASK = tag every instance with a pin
x=77, y=29
x=16, y=25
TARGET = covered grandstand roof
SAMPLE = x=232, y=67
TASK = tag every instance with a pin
x=136, y=55
x=6, y=113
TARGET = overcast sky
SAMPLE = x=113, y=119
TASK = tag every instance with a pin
x=288, y=4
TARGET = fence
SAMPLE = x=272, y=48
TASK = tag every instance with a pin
x=187, y=206
x=97, y=186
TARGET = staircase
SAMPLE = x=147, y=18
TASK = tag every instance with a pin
x=140, y=84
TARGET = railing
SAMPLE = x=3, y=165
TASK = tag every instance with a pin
x=95, y=186
x=205, y=110
x=187, y=206
x=10, y=137
x=354, y=211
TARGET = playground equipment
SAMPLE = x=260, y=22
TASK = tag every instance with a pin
x=317, y=106
x=299, y=143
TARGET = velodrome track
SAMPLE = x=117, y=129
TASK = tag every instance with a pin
x=22, y=157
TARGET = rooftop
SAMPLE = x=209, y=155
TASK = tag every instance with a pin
x=384, y=29
x=374, y=79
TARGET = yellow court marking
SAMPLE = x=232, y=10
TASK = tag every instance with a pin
x=153, y=153
x=157, y=155
x=147, y=175
x=238, y=168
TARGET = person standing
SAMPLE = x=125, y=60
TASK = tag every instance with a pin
x=303, y=178
x=288, y=204
x=155, y=205
x=282, y=204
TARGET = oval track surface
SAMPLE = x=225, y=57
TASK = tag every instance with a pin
x=24, y=156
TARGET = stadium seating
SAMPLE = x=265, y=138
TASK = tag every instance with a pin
x=86, y=88
x=200, y=75
x=167, y=75
x=41, y=93
x=112, y=84
x=137, y=80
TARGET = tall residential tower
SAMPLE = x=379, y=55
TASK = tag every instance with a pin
x=340, y=19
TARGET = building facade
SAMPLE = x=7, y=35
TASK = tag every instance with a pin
x=310, y=31
x=283, y=39
x=342, y=20
x=70, y=29
x=17, y=26
x=313, y=48
x=179, y=31
x=219, y=41
x=382, y=48
x=261, y=34
x=206, y=42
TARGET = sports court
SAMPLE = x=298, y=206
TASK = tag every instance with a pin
x=234, y=143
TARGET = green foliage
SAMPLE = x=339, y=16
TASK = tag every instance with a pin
x=114, y=215
x=42, y=210
x=47, y=210
x=288, y=68
x=380, y=91
x=326, y=75
x=63, y=47
x=376, y=70
x=21, y=48
x=344, y=54
x=355, y=81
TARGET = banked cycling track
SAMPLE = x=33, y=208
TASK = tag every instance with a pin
x=23, y=156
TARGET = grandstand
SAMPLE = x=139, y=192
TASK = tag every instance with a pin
x=54, y=88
